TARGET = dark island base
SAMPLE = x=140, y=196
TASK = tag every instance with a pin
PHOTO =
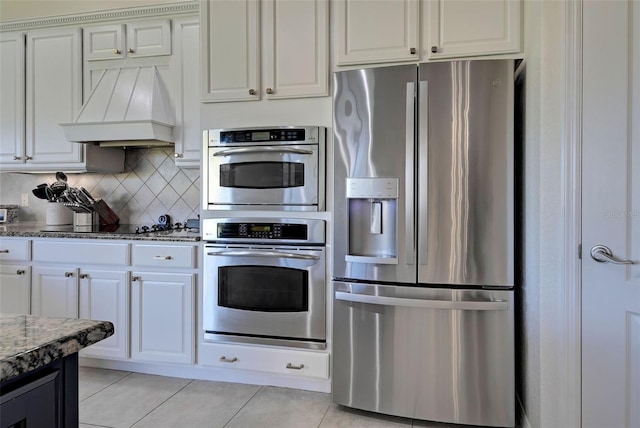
x=45, y=397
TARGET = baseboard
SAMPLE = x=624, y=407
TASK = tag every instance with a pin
x=522, y=420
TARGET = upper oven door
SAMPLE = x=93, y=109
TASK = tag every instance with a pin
x=274, y=175
x=265, y=291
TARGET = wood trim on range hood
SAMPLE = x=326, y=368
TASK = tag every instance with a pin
x=127, y=106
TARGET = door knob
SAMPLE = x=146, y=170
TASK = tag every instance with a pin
x=603, y=254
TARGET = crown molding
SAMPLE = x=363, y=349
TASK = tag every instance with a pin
x=172, y=9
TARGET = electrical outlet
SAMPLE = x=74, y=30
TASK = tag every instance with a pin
x=25, y=200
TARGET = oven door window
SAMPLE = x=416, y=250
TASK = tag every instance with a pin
x=262, y=175
x=263, y=288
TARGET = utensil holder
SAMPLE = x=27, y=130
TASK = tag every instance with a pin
x=58, y=214
x=86, y=219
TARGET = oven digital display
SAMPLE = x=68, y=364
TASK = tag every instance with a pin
x=260, y=136
x=259, y=228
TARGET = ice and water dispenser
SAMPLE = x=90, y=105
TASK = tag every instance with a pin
x=373, y=209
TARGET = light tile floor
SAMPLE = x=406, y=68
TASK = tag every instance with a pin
x=112, y=398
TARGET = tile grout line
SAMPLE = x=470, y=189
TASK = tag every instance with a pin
x=105, y=387
x=324, y=415
x=167, y=399
x=243, y=406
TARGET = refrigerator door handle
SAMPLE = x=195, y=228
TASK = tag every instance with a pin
x=409, y=215
x=497, y=305
x=423, y=170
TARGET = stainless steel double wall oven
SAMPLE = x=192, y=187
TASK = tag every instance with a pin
x=264, y=281
x=270, y=168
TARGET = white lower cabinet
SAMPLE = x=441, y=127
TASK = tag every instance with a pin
x=309, y=364
x=54, y=291
x=15, y=289
x=162, y=317
x=104, y=295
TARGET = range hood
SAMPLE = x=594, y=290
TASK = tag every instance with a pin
x=128, y=107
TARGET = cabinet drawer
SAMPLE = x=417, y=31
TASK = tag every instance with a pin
x=14, y=249
x=281, y=361
x=80, y=253
x=164, y=256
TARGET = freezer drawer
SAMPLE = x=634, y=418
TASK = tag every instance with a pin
x=435, y=354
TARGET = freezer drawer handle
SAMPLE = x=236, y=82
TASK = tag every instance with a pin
x=273, y=254
x=499, y=305
x=371, y=260
x=249, y=150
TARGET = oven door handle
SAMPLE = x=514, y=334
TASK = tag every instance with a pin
x=249, y=150
x=272, y=254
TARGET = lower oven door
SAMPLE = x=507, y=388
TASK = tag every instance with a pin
x=264, y=294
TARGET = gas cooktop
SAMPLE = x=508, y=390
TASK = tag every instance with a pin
x=121, y=229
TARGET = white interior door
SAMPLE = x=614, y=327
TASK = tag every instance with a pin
x=611, y=214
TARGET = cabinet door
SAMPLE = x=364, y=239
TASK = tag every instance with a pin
x=230, y=42
x=162, y=317
x=296, y=35
x=104, y=295
x=460, y=28
x=149, y=38
x=12, y=99
x=104, y=42
x=54, y=292
x=15, y=289
x=54, y=96
x=371, y=31
x=188, y=144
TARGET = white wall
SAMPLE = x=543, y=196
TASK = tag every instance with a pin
x=543, y=211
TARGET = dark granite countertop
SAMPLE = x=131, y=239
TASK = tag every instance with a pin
x=37, y=230
x=28, y=342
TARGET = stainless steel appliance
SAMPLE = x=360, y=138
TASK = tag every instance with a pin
x=424, y=240
x=274, y=168
x=265, y=282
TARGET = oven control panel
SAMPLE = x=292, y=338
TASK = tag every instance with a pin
x=260, y=135
x=262, y=230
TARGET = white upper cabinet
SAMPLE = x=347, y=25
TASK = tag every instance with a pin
x=293, y=39
x=372, y=31
x=134, y=39
x=12, y=100
x=460, y=28
x=296, y=47
x=54, y=95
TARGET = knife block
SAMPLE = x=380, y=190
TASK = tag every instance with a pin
x=58, y=214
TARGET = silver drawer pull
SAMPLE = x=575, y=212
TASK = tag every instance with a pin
x=292, y=367
x=162, y=258
x=4, y=251
x=228, y=360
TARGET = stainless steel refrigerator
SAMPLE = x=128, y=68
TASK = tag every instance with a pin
x=424, y=241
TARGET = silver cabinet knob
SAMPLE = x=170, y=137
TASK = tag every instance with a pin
x=412, y=51
x=68, y=274
x=269, y=91
x=434, y=49
x=84, y=275
x=130, y=50
x=28, y=157
x=17, y=157
x=252, y=91
x=20, y=272
x=178, y=155
x=603, y=254
x=117, y=51
x=135, y=278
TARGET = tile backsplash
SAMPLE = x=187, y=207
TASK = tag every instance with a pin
x=150, y=186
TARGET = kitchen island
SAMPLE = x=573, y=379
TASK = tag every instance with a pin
x=39, y=368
